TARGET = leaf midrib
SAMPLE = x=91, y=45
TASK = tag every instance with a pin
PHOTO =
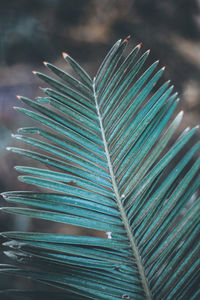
x=120, y=206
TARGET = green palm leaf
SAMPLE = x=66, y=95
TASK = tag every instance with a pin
x=104, y=144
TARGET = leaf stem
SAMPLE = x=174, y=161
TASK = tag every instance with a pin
x=121, y=208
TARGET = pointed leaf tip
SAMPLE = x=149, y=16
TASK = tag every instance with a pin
x=34, y=72
x=16, y=167
x=127, y=38
x=16, y=136
x=45, y=63
x=64, y=54
x=139, y=45
x=18, y=97
x=42, y=89
x=180, y=114
x=9, y=254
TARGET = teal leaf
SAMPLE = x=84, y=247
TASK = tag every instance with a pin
x=111, y=160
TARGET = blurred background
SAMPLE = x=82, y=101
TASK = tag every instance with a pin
x=34, y=31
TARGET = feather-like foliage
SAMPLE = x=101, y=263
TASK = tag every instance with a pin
x=105, y=147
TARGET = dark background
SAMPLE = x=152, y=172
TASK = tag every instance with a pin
x=33, y=31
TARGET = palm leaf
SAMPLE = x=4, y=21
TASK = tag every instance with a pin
x=105, y=147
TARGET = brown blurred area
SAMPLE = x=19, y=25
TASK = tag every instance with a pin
x=34, y=31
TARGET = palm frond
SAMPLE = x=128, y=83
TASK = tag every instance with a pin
x=105, y=147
